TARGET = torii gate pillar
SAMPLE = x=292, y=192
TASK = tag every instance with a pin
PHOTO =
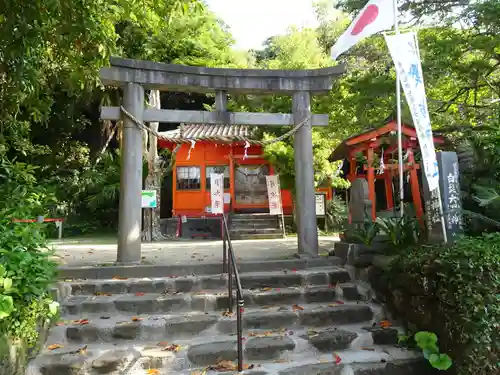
x=130, y=211
x=307, y=228
x=134, y=76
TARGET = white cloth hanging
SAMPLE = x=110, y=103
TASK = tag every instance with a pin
x=382, y=165
x=193, y=143
x=247, y=146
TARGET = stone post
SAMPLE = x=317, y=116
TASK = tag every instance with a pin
x=129, y=221
x=304, y=177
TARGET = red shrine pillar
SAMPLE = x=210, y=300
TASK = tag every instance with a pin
x=371, y=182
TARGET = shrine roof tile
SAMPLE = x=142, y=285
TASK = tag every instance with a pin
x=197, y=131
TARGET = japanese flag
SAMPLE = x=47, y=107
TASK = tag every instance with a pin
x=376, y=16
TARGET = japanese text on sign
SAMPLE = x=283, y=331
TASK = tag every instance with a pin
x=405, y=54
x=274, y=195
x=217, y=192
x=454, y=203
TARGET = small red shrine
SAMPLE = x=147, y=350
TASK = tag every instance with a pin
x=220, y=149
x=373, y=155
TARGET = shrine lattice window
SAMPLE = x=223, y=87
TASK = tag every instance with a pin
x=217, y=169
x=188, y=178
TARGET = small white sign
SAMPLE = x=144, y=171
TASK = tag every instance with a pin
x=274, y=195
x=184, y=219
x=148, y=199
x=320, y=204
x=227, y=198
x=217, y=192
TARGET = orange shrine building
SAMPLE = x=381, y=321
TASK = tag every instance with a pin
x=220, y=149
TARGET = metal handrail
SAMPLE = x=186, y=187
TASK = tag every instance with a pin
x=229, y=266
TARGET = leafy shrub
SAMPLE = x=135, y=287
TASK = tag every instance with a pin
x=336, y=214
x=363, y=235
x=401, y=232
x=453, y=291
x=26, y=271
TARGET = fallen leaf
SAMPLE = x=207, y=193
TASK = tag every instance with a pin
x=337, y=358
x=227, y=313
x=281, y=361
x=172, y=348
x=55, y=346
x=152, y=371
x=294, y=270
x=81, y=322
x=136, y=319
x=368, y=349
x=162, y=343
x=332, y=305
x=340, y=302
x=266, y=289
x=60, y=324
x=120, y=278
x=81, y=350
x=385, y=324
x=139, y=294
x=297, y=307
x=103, y=294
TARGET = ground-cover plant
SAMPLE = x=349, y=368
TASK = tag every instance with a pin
x=454, y=292
x=400, y=232
x=364, y=235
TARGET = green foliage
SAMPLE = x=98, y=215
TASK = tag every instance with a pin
x=336, y=214
x=364, y=235
x=26, y=271
x=402, y=232
x=453, y=291
x=427, y=341
x=49, y=72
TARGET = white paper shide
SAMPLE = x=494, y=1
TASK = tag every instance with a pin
x=217, y=192
x=274, y=195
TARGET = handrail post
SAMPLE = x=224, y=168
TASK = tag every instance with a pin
x=224, y=247
x=239, y=327
x=230, y=283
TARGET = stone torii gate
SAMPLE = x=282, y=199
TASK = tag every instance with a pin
x=134, y=76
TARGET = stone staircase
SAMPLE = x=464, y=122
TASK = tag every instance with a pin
x=255, y=226
x=301, y=317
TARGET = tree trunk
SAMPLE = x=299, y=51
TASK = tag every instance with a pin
x=153, y=180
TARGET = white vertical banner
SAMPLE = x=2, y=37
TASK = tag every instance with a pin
x=274, y=195
x=217, y=192
x=406, y=57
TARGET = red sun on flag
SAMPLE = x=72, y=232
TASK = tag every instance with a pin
x=369, y=15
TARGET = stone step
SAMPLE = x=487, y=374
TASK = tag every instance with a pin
x=254, y=217
x=264, y=355
x=251, y=230
x=207, y=301
x=241, y=224
x=109, y=327
x=152, y=271
x=249, y=280
x=257, y=236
